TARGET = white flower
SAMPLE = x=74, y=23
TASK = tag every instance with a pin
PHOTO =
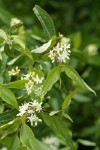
x=15, y=21
x=38, y=80
x=23, y=109
x=60, y=53
x=36, y=106
x=52, y=56
x=33, y=81
x=38, y=91
x=31, y=109
x=14, y=71
x=29, y=86
x=63, y=56
x=92, y=49
x=65, y=46
x=52, y=141
x=33, y=119
x=27, y=76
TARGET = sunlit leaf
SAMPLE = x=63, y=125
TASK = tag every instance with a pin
x=59, y=127
x=8, y=96
x=23, y=49
x=86, y=142
x=46, y=21
x=3, y=34
x=52, y=77
x=14, y=143
x=68, y=99
x=9, y=128
x=19, y=84
x=27, y=137
x=45, y=46
x=73, y=74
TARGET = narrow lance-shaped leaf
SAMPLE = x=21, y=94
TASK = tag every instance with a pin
x=46, y=21
x=14, y=143
x=59, y=127
x=23, y=49
x=67, y=116
x=9, y=128
x=19, y=84
x=27, y=137
x=3, y=34
x=45, y=46
x=8, y=96
x=52, y=77
x=3, y=67
x=5, y=117
x=68, y=99
x=73, y=74
x=86, y=142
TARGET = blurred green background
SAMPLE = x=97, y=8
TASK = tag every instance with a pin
x=80, y=21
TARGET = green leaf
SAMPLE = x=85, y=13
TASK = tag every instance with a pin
x=46, y=21
x=9, y=128
x=86, y=142
x=68, y=99
x=67, y=116
x=21, y=59
x=17, y=40
x=19, y=84
x=54, y=112
x=45, y=46
x=24, y=49
x=52, y=77
x=5, y=16
x=77, y=40
x=22, y=148
x=8, y=96
x=14, y=143
x=3, y=34
x=27, y=137
x=73, y=74
x=86, y=86
x=3, y=67
x=59, y=127
x=7, y=116
x=8, y=51
x=1, y=108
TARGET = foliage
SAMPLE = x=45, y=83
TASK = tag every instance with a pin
x=52, y=91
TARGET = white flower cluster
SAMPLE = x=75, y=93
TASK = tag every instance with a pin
x=33, y=81
x=60, y=53
x=14, y=71
x=15, y=21
x=92, y=49
x=52, y=141
x=31, y=109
